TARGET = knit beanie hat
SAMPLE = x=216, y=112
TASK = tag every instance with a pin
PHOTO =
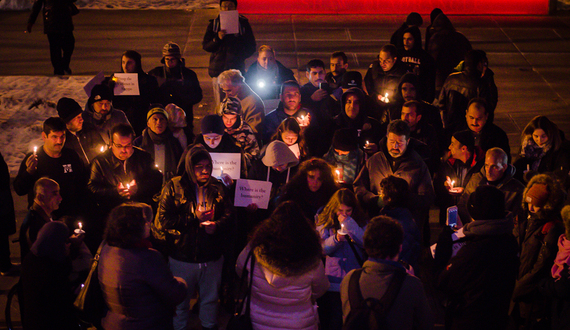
x=231, y=106
x=156, y=110
x=351, y=79
x=100, y=92
x=345, y=139
x=465, y=138
x=414, y=19
x=537, y=195
x=67, y=109
x=171, y=49
x=212, y=124
x=486, y=203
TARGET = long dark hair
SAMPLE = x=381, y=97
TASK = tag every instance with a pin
x=291, y=124
x=298, y=184
x=344, y=196
x=286, y=242
x=550, y=128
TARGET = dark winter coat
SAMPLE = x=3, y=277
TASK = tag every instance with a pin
x=107, y=172
x=273, y=84
x=7, y=214
x=176, y=217
x=105, y=124
x=56, y=15
x=139, y=289
x=86, y=143
x=479, y=280
x=172, y=150
x=230, y=52
x=378, y=82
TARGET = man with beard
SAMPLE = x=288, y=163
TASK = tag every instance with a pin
x=381, y=79
x=80, y=136
x=100, y=112
x=290, y=106
x=339, y=65
x=395, y=158
x=54, y=161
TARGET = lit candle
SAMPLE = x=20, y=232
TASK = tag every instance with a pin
x=386, y=98
x=35, y=150
x=79, y=230
x=302, y=117
x=338, y=175
x=102, y=148
x=128, y=186
x=221, y=170
x=452, y=183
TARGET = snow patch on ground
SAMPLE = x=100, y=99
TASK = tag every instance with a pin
x=25, y=102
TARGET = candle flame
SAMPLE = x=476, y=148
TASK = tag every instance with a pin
x=128, y=186
x=35, y=149
x=102, y=148
x=80, y=225
x=452, y=183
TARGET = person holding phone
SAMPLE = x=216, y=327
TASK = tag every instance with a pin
x=479, y=280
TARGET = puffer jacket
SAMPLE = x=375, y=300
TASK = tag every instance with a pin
x=340, y=258
x=283, y=302
x=177, y=224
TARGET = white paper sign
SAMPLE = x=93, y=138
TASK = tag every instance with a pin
x=229, y=21
x=126, y=84
x=252, y=191
x=229, y=162
x=295, y=149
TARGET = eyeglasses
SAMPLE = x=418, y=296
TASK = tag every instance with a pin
x=118, y=146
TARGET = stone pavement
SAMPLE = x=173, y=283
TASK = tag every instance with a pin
x=529, y=55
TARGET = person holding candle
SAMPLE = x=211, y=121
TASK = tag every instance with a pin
x=137, y=284
x=457, y=167
x=290, y=133
x=311, y=187
x=194, y=220
x=345, y=155
x=158, y=141
x=57, y=162
x=354, y=114
x=289, y=106
x=341, y=225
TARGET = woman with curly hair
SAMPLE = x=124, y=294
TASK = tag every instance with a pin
x=344, y=250
x=137, y=284
x=289, y=132
x=537, y=232
x=543, y=149
x=288, y=274
x=311, y=187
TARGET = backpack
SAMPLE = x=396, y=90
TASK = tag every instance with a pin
x=370, y=313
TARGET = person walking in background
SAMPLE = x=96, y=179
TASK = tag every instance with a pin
x=58, y=25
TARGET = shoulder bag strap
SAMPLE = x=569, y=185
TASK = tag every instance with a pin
x=394, y=287
x=354, y=295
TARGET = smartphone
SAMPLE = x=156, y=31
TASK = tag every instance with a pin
x=324, y=85
x=452, y=216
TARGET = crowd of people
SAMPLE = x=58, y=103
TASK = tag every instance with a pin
x=355, y=165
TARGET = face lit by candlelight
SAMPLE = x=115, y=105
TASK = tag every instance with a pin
x=344, y=210
x=539, y=136
x=314, y=180
x=289, y=137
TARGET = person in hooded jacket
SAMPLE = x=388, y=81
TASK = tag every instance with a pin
x=214, y=139
x=418, y=61
x=479, y=280
x=158, y=141
x=238, y=129
x=413, y=20
x=194, y=218
x=537, y=231
x=345, y=155
x=429, y=28
x=354, y=115
x=100, y=112
x=176, y=83
x=47, y=296
x=447, y=47
x=136, y=107
x=288, y=274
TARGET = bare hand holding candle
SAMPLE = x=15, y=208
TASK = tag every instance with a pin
x=79, y=230
x=32, y=162
x=450, y=187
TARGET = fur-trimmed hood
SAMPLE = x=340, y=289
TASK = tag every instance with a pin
x=284, y=268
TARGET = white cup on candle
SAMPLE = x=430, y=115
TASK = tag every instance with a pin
x=79, y=230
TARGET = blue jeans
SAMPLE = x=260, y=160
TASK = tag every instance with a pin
x=206, y=277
